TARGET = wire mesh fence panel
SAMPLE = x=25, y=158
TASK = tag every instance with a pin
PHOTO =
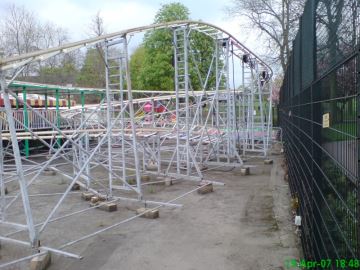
x=319, y=114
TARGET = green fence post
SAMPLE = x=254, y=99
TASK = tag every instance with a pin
x=26, y=121
x=82, y=96
x=69, y=100
x=17, y=101
x=46, y=100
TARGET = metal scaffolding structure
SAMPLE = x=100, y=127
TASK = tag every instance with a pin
x=216, y=125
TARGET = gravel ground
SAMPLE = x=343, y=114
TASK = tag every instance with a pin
x=245, y=224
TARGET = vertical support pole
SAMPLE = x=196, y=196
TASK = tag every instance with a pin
x=132, y=117
x=85, y=141
x=122, y=119
x=259, y=87
x=158, y=149
x=102, y=99
x=108, y=117
x=57, y=103
x=18, y=163
x=216, y=107
x=229, y=108
x=251, y=109
x=26, y=121
x=2, y=184
x=177, y=102
x=243, y=110
x=187, y=109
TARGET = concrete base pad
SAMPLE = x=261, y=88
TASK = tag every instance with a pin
x=245, y=171
x=268, y=161
x=145, y=178
x=108, y=206
x=206, y=189
x=168, y=181
x=48, y=172
x=152, y=166
x=94, y=199
x=40, y=262
x=131, y=181
x=152, y=214
x=75, y=187
x=87, y=196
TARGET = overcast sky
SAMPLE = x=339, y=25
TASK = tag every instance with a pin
x=75, y=15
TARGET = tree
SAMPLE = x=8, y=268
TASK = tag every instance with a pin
x=21, y=32
x=152, y=63
x=136, y=63
x=92, y=71
x=97, y=25
x=63, y=74
x=172, y=12
x=276, y=20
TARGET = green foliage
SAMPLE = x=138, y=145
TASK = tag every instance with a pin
x=202, y=48
x=92, y=73
x=136, y=63
x=346, y=194
x=172, y=12
x=157, y=71
x=64, y=74
x=151, y=64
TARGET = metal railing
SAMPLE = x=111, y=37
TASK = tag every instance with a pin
x=319, y=115
x=35, y=122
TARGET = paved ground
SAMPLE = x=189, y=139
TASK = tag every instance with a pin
x=245, y=224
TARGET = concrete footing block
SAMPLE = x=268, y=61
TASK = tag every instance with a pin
x=152, y=166
x=206, y=189
x=87, y=196
x=245, y=171
x=75, y=187
x=145, y=178
x=168, y=181
x=48, y=172
x=40, y=262
x=108, y=206
x=160, y=178
x=268, y=161
x=94, y=199
x=147, y=213
x=131, y=181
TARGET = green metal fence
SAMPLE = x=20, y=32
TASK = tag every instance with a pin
x=319, y=112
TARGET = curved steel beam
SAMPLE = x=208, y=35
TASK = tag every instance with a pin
x=206, y=28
